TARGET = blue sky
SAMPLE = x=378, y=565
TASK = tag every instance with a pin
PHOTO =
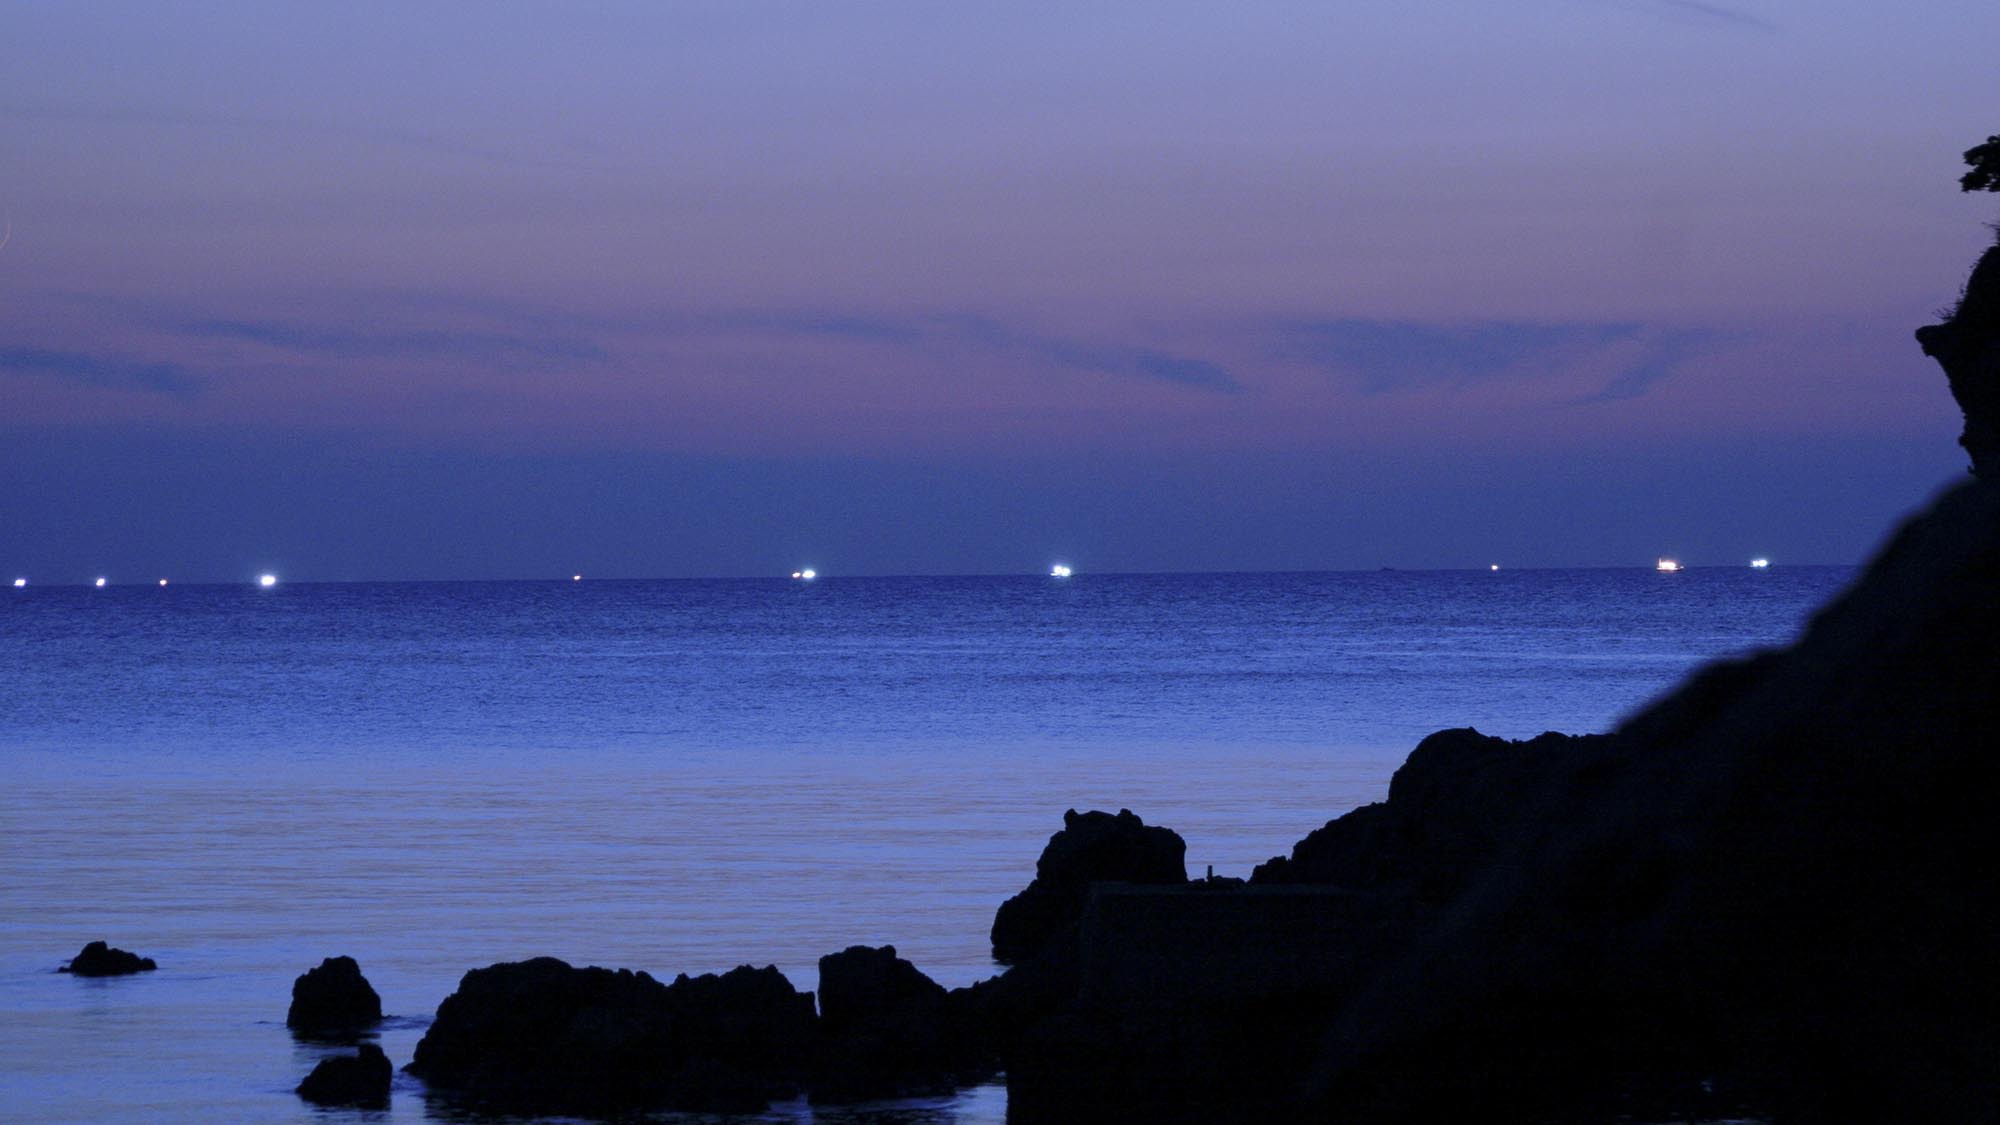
x=506, y=290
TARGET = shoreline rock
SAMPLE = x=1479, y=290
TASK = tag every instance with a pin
x=540, y=1036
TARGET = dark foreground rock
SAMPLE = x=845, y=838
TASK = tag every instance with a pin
x=888, y=1031
x=100, y=960
x=1092, y=847
x=1769, y=893
x=333, y=1000
x=540, y=1036
x=360, y=1079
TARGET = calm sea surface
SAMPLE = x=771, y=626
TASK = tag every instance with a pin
x=683, y=776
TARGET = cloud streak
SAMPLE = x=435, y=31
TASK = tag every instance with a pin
x=115, y=373
x=496, y=348
x=1391, y=356
x=1701, y=12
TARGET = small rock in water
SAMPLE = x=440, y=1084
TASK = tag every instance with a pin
x=100, y=960
x=333, y=999
x=360, y=1079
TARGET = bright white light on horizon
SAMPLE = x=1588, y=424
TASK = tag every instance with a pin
x=267, y=580
x=808, y=574
x=20, y=582
x=576, y=578
x=1059, y=571
x=1760, y=564
x=1495, y=566
x=163, y=581
x=1667, y=566
x=99, y=583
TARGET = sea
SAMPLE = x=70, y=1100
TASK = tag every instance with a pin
x=688, y=775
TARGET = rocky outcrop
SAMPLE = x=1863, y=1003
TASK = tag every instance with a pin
x=540, y=1036
x=333, y=1000
x=1769, y=893
x=888, y=1031
x=1459, y=796
x=100, y=960
x=361, y=1079
x=1967, y=345
x=1092, y=847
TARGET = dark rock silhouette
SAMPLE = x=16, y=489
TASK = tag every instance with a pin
x=1769, y=891
x=540, y=1036
x=1967, y=345
x=1767, y=894
x=1092, y=847
x=333, y=1000
x=887, y=1030
x=360, y=1079
x=1451, y=803
x=100, y=960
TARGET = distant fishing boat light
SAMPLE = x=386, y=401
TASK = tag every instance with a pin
x=1667, y=566
x=806, y=575
x=163, y=581
x=576, y=578
x=20, y=582
x=1495, y=566
x=267, y=580
x=99, y=583
x=1059, y=571
x=1759, y=564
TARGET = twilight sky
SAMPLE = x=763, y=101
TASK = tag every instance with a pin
x=659, y=289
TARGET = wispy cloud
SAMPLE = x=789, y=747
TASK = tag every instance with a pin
x=1391, y=356
x=495, y=348
x=1699, y=11
x=435, y=144
x=1660, y=354
x=108, y=372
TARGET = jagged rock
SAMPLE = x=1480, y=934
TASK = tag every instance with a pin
x=887, y=1030
x=540, y=1036
x=360, y=1079
x=1967, y=345
x=1457, y=797
x=1770, y=887
x=100, y=960
x=333, y=999
x=1092, y=847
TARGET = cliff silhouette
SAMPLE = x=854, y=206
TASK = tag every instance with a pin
x=1770, y=892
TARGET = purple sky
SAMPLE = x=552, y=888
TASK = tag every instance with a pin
x=498, y=290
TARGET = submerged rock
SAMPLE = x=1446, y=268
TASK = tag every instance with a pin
x=333, y=999
x=887, y=1030
x=361, y=1079
x=540, y=1036
x=100, y=960
x=1092, y=847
